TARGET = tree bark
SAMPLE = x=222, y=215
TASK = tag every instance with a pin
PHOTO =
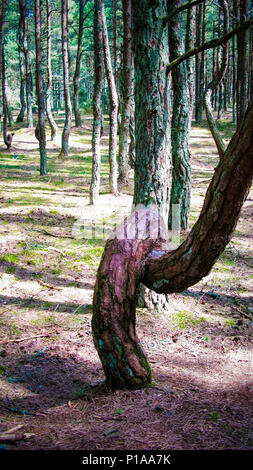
x=127, y=92
x=65, y=59
x=41, y=132
x=97, y=101
x=52, y=123
x=113, y=176
x=181, y=174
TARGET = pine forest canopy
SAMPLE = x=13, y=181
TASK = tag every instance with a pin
x=153, y=67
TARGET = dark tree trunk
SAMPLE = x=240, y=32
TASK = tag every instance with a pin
x=127, y=92
x=21, y=114
x=41, y=132
x=113, y=177
x=97, y=101
x=78, y=120
x=65, y=59
x=52, y=123
x=181, y=174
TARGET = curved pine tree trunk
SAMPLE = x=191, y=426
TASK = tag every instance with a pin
x=128, y=260
x=139, y=251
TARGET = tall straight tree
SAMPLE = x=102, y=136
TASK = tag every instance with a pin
x=113, y=176
x=20, y=40
x=78, y=120
x=181, y=175
x=65, y=59
x=24, y=16
x=127, y=89
x=52, y=123
x=242, y=63
x=152, y=184
x=97, y=101
x=41, y=132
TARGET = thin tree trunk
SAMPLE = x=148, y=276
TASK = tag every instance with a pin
x=65, y=59
x=3, y=75
x=113, y=177
x=127, y=92
x=52, y=123
x=21, y=114
x=78, y=120
x=40, y=90
x=97, y=101
x=181, y=174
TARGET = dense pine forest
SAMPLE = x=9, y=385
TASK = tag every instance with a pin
x=126, y=166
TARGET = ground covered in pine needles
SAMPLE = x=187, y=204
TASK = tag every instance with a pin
x=52, y=391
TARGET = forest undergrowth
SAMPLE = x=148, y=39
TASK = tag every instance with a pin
x=52, y=391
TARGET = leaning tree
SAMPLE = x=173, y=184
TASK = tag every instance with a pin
x=139, y=252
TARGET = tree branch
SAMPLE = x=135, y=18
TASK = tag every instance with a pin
x=209, y=44
x=178, y=10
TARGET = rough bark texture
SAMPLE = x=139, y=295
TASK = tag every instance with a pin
x=41, y=131
x=97, y=101
x=113, y=176
x=65, y=58
x=128, y=260
x=152, y=109
x=52, y=123
x=127, y=92
x=181, y=174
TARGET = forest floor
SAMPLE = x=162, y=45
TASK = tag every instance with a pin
x=52, y=391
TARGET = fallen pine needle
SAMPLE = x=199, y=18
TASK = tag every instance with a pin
x=18, y=340
x=49, y=286
x=107, y=418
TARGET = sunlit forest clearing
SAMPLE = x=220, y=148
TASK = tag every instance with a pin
x=52, y=381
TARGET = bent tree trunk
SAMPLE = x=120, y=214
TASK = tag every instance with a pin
x=128, y=260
